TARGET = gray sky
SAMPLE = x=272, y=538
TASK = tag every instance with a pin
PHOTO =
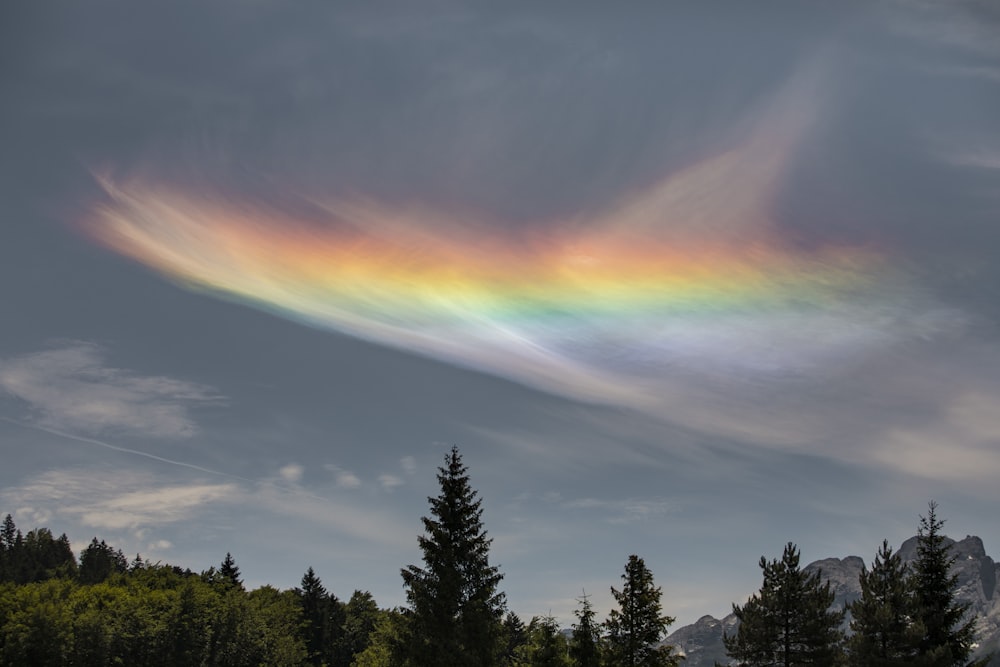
x=683, y=280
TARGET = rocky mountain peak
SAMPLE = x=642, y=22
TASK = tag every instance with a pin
x=977, y=574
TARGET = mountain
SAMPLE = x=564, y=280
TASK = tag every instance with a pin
x=977, y=574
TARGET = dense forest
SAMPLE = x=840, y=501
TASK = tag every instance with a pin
x=104, y=609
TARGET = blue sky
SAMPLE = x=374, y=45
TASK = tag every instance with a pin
x=181, y=399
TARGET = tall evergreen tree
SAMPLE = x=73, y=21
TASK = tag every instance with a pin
x=230, y=572
x=456, y=612
x=789, y=621
x=634, y=631
x=947, y=638
x=585, y=642
x=315, y=602
x=11, y=541
x=883, y=620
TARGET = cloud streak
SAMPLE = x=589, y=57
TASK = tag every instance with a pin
x=71, y=389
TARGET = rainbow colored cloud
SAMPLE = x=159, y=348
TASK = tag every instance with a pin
x=689, y=276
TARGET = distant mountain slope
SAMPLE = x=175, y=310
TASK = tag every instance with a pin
x=977, y=573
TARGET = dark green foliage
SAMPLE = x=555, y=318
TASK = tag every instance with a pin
x=545, y=646
x=315, y=604
x=230, y=572
x=635, y=630
x=883, y=618
x=36, y=556
x=149, y=617
x=388, y=640
x=515, y=636
x=585, y=643
x=456, y=612
x=360, y=616
x=789, y=621
x=99, y=561
x=947, y=638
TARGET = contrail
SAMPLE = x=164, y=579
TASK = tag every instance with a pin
x=79, y=438
x=126, y=450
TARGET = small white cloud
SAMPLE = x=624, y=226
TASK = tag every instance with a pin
x=409, y=464
x=292, y=472
x=160, y=545
x=345, y=479
x=389, y=482
x=71, y=389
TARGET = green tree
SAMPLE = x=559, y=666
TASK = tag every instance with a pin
x=9, y=541
x=99, y=561
x=456, y=612
x=322, y=618
x=635, y=631
x=947, y=635
x=360, y=616
x=883, y=619
x=515, y=636
x=387, y=641
x=230, y=572
x=545, y=646
x=789, y=621
x=585, y=642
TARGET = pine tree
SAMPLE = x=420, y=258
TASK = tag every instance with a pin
x=788, y=622
x=230, y=572
x=315, y=602
x=634, y=631
x=584, y=644
x=886, y=632
x=10, y=556
x=455, y=616
x=947, y=640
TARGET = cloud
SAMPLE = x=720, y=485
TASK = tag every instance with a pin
x=70, y=388
x=959, y=446
x=680, y=298
x=968, y=25
x=409, y=464
x=345, y=479
x=132, y=504
x=291, y=472
x=628, y=510
x=116, y=500
x=389, y=482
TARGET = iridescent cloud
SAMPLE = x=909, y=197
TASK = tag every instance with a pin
x=686, y=276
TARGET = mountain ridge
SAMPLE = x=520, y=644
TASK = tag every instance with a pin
x=978, y=573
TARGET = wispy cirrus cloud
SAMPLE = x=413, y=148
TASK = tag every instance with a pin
x=114, y=500
x=71, y=388
x=969, y=25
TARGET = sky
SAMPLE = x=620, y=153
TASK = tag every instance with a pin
x=684, y=280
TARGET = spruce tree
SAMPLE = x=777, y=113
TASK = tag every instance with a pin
x=789, y=621
x=585, y=642
x=315, y=602
x=883, y=620
x=456, y=612
x=635, y=631
x=230, y=572
x=947, y=640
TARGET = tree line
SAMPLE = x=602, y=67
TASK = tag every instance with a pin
x=103, y=609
